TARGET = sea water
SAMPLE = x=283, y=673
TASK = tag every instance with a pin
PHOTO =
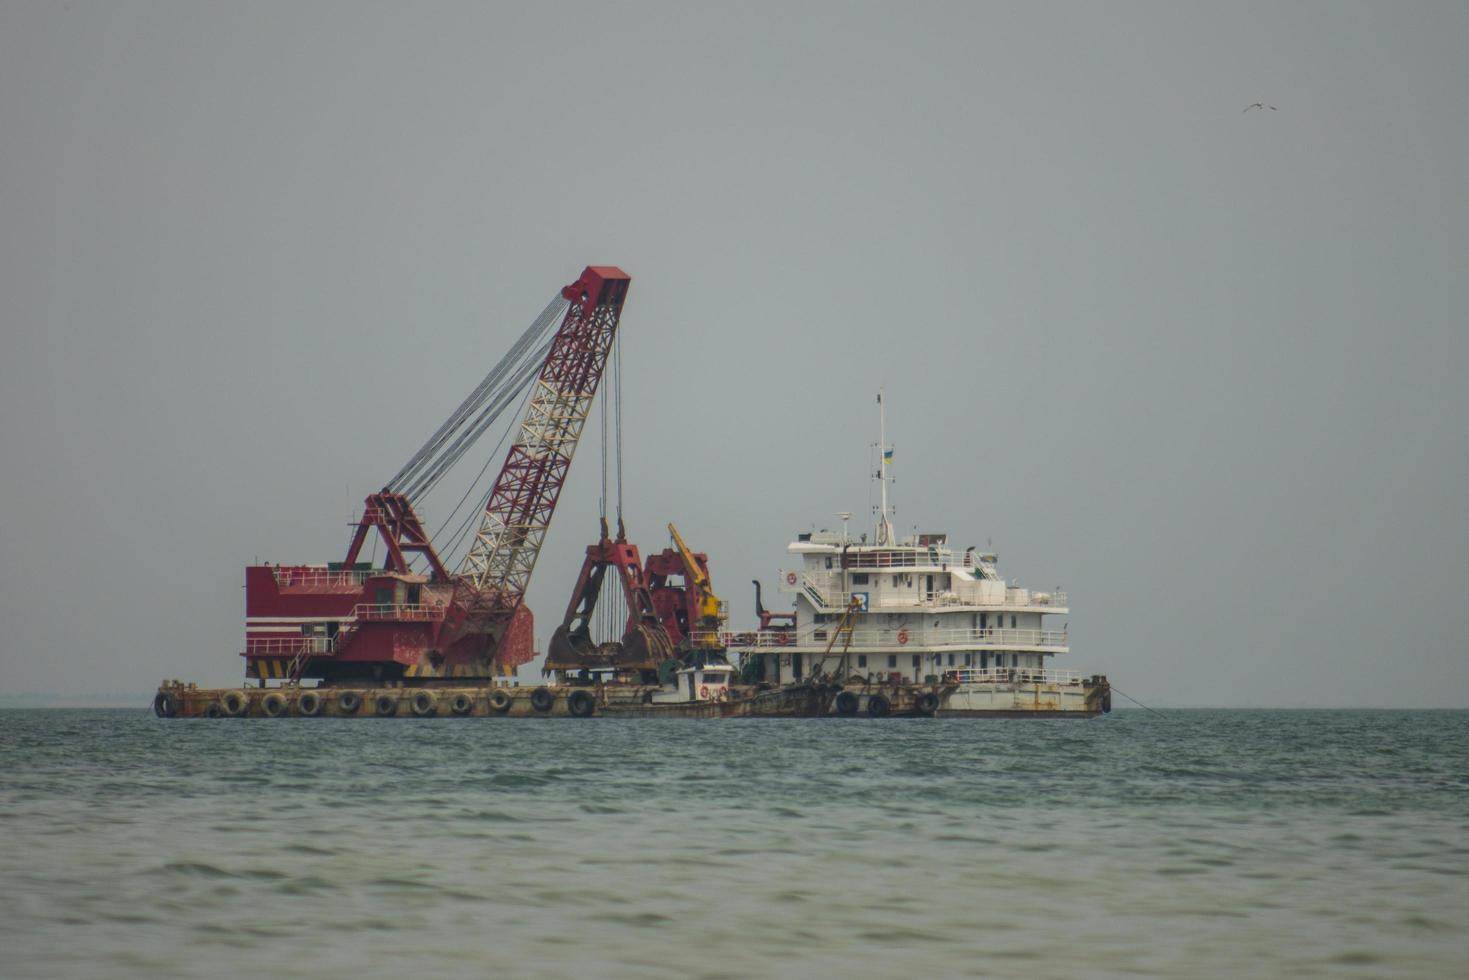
x=1191, y=843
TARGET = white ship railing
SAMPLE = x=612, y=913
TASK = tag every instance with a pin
x=285, y=646
x=822, y=590
x=1010, y=675
x=306, y=577
x=913, y=640
x=398, y=611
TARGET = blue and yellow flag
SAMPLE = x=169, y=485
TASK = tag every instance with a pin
x=887, y=456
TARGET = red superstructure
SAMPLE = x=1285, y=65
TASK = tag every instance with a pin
x=346, y=620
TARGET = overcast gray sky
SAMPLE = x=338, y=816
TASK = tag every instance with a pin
x=1200, y=367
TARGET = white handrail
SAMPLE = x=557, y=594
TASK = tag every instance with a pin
x=417, y=612
x=824, y=590
x=1020, y=675
x=897, y=640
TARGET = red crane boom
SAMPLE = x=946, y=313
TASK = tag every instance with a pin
x=490, y=586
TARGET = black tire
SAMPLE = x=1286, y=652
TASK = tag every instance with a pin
x=166, y=704
x=423, y=704
x=541, y=699
x=846, y=703
x=273, y=705
x=581, y=704
x=879, y=706
x=385, y=705
x=309, y=704
x=214, y=710
x=235, y=703
x=348, y=702
x=500, y=700
x=927, y=704
x=462, y=704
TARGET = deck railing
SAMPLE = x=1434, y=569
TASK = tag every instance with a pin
x=823, y=590
x=1017, y=675
x=397, y=612
x=897, y=640
x=286, y=646
x=287, y=576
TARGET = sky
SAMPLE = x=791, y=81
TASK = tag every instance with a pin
x=1198, y=366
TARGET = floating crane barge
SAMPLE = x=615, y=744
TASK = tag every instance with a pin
x=410, y=638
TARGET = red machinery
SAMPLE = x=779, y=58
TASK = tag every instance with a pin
x=672, y=611
x=348, y=620
x=644, y=645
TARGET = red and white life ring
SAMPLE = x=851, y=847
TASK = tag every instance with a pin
x=790, y=578
x=902, y=637
x=704, y=693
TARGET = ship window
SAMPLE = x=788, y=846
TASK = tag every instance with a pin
x=969, y=660
x=951, y=660
x=893, y=660
x=861, y=660
x=1012, y=622
x=915, y=660
x=859, y=578
x=796, y=666
x=828, y=563
x=896, y=580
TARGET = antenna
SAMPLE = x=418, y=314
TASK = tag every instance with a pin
x=845, y=515
x=884, y=456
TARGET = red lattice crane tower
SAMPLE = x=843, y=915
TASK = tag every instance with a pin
x=349, y=620
x=490, y=585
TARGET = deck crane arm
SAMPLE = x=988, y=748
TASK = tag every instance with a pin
x=491, y=582
x=697, y=577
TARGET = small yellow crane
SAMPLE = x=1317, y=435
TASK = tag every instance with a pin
x=710, y=611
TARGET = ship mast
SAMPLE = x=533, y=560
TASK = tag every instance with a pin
x=884, y=457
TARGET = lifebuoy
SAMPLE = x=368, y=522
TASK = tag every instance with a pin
x=423, y=703
x=500, y=700
x=462, y=704
x=165, y=704
x=723, y=695
x=902, y=637
x=704, y=693
x=580, y=704
x=790, y=578
x=541, y=699
x=273, y=705
x=385, y=705
x=782, y=639
x=236, y=703
x=348, y=702
x=309, y=704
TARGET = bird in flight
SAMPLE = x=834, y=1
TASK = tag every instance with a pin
x=1259, y=105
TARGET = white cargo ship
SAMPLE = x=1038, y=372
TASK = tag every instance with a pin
x=911, y=625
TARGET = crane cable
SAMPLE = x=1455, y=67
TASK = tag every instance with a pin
x=461, y=533
x=487, y=399
x=617, y=414
x=429, y=479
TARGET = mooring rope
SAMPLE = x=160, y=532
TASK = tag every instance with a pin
x=1139, y=703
